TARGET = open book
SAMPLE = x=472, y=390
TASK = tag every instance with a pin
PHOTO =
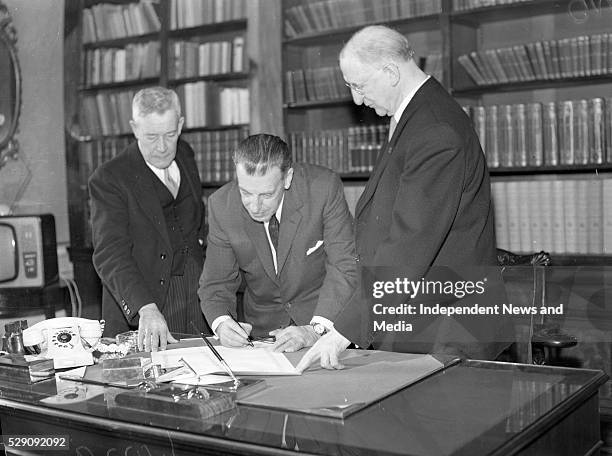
x=242, y=361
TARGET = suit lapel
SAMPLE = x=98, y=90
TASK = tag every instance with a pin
x=193, y=181
x=381, y=163
x=388, y=148
x=290, y=221
x=145, y=193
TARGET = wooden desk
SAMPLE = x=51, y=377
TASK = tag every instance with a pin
x=471, y=408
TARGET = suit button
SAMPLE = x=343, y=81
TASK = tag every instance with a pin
x=123, y=302
x=162, y=281
x=128, y=311
x=201, y=241
x=163, y=256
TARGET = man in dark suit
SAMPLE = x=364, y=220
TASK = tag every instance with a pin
x=284, y=230
x=426, y=209
x=148, y=226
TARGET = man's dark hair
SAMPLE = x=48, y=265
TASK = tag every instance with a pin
x=260, y=152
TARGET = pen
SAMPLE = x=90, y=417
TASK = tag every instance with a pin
x=249, y=339
x=216, y=353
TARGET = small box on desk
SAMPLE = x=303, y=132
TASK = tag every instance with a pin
x=185, y=401
x=15, y=368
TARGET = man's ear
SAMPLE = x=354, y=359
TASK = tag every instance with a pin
x=288, y=178
x=392, y=72
x=179, y=128
x=134, y=127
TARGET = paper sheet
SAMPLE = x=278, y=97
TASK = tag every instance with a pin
x=242, y=361
x=367, y=378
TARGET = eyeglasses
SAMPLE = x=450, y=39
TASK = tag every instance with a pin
x=359, y=89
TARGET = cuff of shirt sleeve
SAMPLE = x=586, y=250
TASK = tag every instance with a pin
x=323, y=321
x=217, y=322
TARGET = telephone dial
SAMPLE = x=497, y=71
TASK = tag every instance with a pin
x=69, y=341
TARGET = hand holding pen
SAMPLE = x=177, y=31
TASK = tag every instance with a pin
x=234, y=334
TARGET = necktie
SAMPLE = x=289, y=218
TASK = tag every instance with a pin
x=273, y=228
x=170, y=183
x=392, y=125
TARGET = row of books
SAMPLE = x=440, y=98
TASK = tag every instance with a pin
x=462, y=5
x=207, y=104
x=348, y=150
x=135, y=61
x=319, y=16
x=93, y=153
x=569, y=132
x=191, y=13
x=213, y=152
x=191, y=59
x=327, y=83
x=107, y=21
x=569, y=216
x=106, y=114
x=541, y=60
x=312, y=84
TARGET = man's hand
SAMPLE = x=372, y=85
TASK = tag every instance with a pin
x=153, y=332
x=327, y=349
x=292, y=338
x=233, y=334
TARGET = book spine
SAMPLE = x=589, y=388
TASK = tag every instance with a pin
x=513, y=205
x=535, y=146
x=570, y=215
x=492, y=136
x=551, y=135
x=558, y=216
x=596, y=131
x=520, y=135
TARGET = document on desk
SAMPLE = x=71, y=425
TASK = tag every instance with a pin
x=368, y=377
x=242, y=361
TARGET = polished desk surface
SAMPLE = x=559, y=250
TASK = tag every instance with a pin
x=469, y=408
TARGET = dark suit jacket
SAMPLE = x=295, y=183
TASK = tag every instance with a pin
x=132, y=250
x=426, y=204
x=314, y=209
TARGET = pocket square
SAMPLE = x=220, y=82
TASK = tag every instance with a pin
x=312, y=249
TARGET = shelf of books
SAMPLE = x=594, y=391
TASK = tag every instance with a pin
x=530, y=75
x=322, y=123
x=197, y=47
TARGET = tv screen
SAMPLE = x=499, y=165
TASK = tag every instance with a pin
x=28, y=251
x=9, y=265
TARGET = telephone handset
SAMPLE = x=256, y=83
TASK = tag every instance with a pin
x=69, y=341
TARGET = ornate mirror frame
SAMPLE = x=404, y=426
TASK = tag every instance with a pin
x=9, y=147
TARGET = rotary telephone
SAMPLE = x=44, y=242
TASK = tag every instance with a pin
x=69, y=341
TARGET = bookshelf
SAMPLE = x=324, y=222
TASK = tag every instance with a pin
x=537, y=101
x=221, y=56
x=322, y=124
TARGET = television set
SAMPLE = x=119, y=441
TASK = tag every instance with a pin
x=28, y=251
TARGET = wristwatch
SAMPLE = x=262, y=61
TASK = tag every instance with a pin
x=319, y=329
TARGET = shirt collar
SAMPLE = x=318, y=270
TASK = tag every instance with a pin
x=402, y=107
x=173, y=169
x=279, y=211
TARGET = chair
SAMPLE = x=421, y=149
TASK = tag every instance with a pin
x=546, y=340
